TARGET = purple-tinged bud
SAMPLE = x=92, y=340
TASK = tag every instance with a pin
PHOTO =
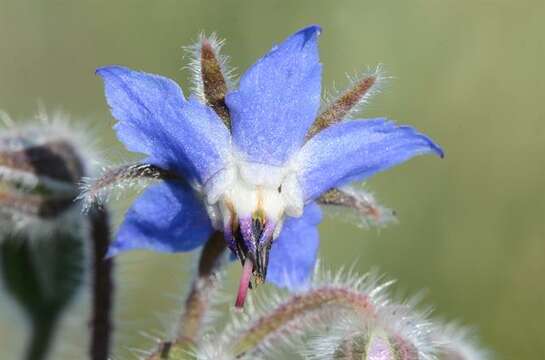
x=373, y=345
x=380, y=348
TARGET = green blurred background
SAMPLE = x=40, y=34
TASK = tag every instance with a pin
x=467, y=72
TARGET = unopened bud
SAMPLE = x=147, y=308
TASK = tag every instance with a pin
x=43, y=230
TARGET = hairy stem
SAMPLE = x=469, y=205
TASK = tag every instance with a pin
x=197, y=301
x=299, y=308
x=103, y=286
x=123, y=174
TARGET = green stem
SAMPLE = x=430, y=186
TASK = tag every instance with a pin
x=43, y=331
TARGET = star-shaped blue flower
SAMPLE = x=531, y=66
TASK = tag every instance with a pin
x=253, y=164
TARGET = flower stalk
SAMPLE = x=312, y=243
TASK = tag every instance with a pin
x=197, y=303
x=103, y=286
x=43, y=332
x=198, y=300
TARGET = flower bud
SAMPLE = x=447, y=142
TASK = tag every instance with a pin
x=43, y=231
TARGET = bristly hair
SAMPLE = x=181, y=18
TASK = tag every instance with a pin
x=194, y=66
x=380, y=79
x=459, y=342
x=356, y=205
x=291, y=318
x=41, y=163
x=334, y=316
x=119, y=179
x=406, y=328
x=38, y=131
x=343, y=104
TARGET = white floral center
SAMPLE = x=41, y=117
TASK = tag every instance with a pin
x=245, y=190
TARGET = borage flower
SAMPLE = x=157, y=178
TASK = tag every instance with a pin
x=251, y=163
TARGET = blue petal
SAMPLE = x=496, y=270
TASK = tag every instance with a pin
x=167, y=217
x=293, y=254
x=278, y=100
x=155, y=119
x=355, y=150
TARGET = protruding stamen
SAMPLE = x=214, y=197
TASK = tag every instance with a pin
x=263, y=250
x=343, y=105
x=244, y=283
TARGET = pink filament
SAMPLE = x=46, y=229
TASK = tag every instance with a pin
x=244, y=283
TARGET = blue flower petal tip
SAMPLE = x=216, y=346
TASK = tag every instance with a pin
x=433, y=146
x=439, y=150
x=310, y=32
x=436, y=148
x=109, y=69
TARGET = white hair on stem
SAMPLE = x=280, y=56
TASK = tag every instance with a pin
x=114, y=181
